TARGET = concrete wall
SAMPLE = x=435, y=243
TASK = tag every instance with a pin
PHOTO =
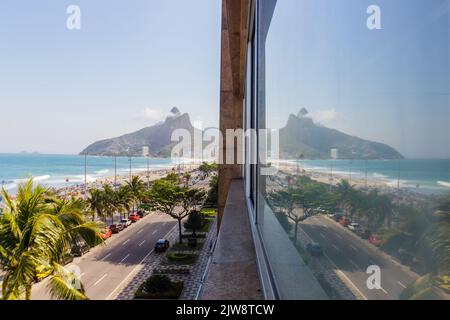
x=235, y=21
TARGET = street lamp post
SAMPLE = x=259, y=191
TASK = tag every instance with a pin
x=115, y=172
x=85, y=175
x=331, y=176
x=350, y=171
x=365, y=170
x=148, y=172
x=129, y=159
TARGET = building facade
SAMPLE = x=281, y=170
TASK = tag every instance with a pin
x=335, y=229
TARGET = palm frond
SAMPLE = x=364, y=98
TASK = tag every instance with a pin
x=65, y=285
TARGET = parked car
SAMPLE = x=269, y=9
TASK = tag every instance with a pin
x=363, y=233
x=344, y=221
x=141, y=213
x=106, y=233
x=162, y=245
x=338, y=216
x=373, y=239
x=79, y=248
x=134, y=217
x=314, y=249
x=126, y=222
x=116, y=228
x=353, y=226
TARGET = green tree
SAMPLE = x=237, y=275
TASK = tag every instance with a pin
x=172, y=178
x=166, y=197
x=124, y=200
x=207, y=169
x=286, y=202
x=213, y=192
x=346, y=195
x=194, y=222
x=187, y=178
x=95, y=203
x=36, y=232
x=173, y=200
x=299, y=202
x=137, y=188
x=109, y=202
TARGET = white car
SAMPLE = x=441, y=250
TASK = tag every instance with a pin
x=125, y=222
x=353, y=226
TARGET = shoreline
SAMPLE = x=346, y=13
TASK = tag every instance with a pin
x=373, y=180
x=77, y=189
x=402, y=195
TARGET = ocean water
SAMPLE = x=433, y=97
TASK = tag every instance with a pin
x=64, y=170
x=427, y=175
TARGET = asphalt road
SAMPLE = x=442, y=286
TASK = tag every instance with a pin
x=352, y=256
x=105, y=268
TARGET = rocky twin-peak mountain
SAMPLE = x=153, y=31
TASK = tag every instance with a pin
x=156, y=137
x=300, y=136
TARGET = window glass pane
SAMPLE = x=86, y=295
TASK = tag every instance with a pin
x=359, y=206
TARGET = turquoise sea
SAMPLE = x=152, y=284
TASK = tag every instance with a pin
x=426, y=175
x=62, y=170
x=430, y=175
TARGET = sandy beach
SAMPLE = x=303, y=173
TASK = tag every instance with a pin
x=78, y=190
x=405, y=195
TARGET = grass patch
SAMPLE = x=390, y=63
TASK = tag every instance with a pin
x=180, y=258
x=159, y=287
x=185, y=246
x=206, y=225
x=424, y=288
x=209, y=212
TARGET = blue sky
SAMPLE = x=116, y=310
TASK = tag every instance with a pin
x=130, y=63
x=389, y=85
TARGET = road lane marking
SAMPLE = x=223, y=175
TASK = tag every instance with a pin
x=106, y=256
x=154, y=232
x=353, y=263
x=99, y=280
x=336, y=247
x=339, y=236
x=381, y=288
x=347, y=279
x=322, y=235
x=342, y=274
x=124, y=258
x=353, y=247
x=401, y=285
x=128, y=240
x=139, y=231
x=135, y=268
x=140, y=244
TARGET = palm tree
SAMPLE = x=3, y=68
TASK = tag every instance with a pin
x=95, y=203
x=123, y=199
x=36, y=232
x=136, y=187
x=345, y=193
x=109, y=202
x=186, y=177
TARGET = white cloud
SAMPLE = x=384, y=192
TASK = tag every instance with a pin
x=154, y=115
x=325, y=116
